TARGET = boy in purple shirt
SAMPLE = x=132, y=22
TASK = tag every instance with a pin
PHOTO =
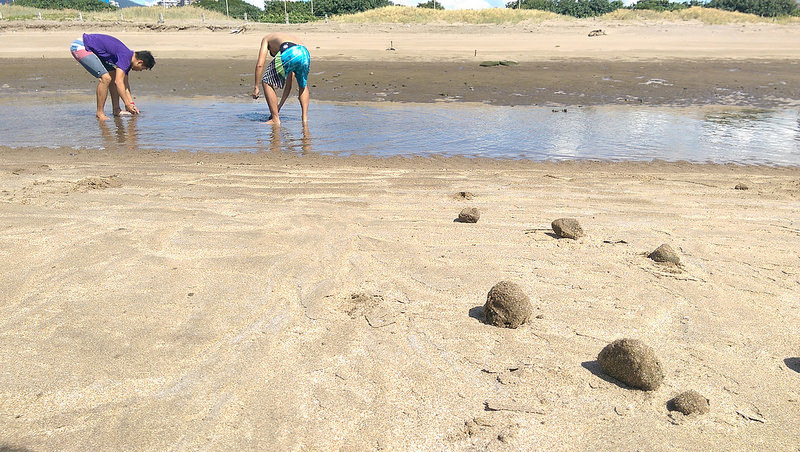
x=108, y=59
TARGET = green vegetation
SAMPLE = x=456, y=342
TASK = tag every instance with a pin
x=337, y=7
x=591, y=8
x=411, y=15
x=275, y=11
x=235, y=8
x=299, y=12
x=724, y=12
x=574, y=8
x=763, y=8
x=79, y=5
x=432, y=4
x=659, y=5
x=142, y=14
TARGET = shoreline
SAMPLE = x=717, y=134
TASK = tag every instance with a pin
x=407, y=162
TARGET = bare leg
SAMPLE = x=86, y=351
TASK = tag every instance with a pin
x=112, y=87
x=102, y=93
x=272, y=103
x=303, y=96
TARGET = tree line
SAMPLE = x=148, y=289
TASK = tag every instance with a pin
x=591, y=8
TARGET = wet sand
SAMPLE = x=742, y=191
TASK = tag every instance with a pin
x=753, y=83
x=650, y=63
x=158, y=300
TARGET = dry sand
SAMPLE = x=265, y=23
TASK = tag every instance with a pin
x=183, y=301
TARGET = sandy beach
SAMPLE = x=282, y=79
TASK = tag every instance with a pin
x=268, y=301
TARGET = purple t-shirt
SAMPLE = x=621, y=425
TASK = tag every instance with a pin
x=110, y=50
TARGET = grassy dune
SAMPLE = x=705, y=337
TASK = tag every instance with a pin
x=134, y=15
x=407, y=14
x=709, y=16
x=400, y=14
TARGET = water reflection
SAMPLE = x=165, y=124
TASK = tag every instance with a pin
x=119, y=131
x=726, y=135
x=747, y=115
x=306, y=141
x=282, y=139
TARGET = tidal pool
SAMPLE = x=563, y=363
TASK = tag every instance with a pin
x=612, y=133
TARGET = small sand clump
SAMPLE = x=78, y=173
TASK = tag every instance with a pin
x=665, y=253
x=469, y=215
x=689, y=402
x=361, y=302
x=632, y=362
x=507, y=306
x=464, y=195
x=742, y=186
x=567, y=228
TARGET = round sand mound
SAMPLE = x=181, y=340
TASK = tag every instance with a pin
x=632, y=362
x=507, y=306
x=665, y=253
x=567, y=228
x=469, y=215
x=689, y=402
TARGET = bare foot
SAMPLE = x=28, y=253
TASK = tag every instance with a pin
x=101, y=116
x=274, y=122
x=122, y=113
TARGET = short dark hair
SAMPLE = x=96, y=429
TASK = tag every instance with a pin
x=147, y=58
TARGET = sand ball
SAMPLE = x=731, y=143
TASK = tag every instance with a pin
x=464, y=195
x=741, y=186
x=469, y=215
x=507, y=305
x=665, y=253
x=689, y=402
x=632, y=362
x=568, y=228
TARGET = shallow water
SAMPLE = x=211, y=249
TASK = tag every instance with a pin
x=770, y=137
